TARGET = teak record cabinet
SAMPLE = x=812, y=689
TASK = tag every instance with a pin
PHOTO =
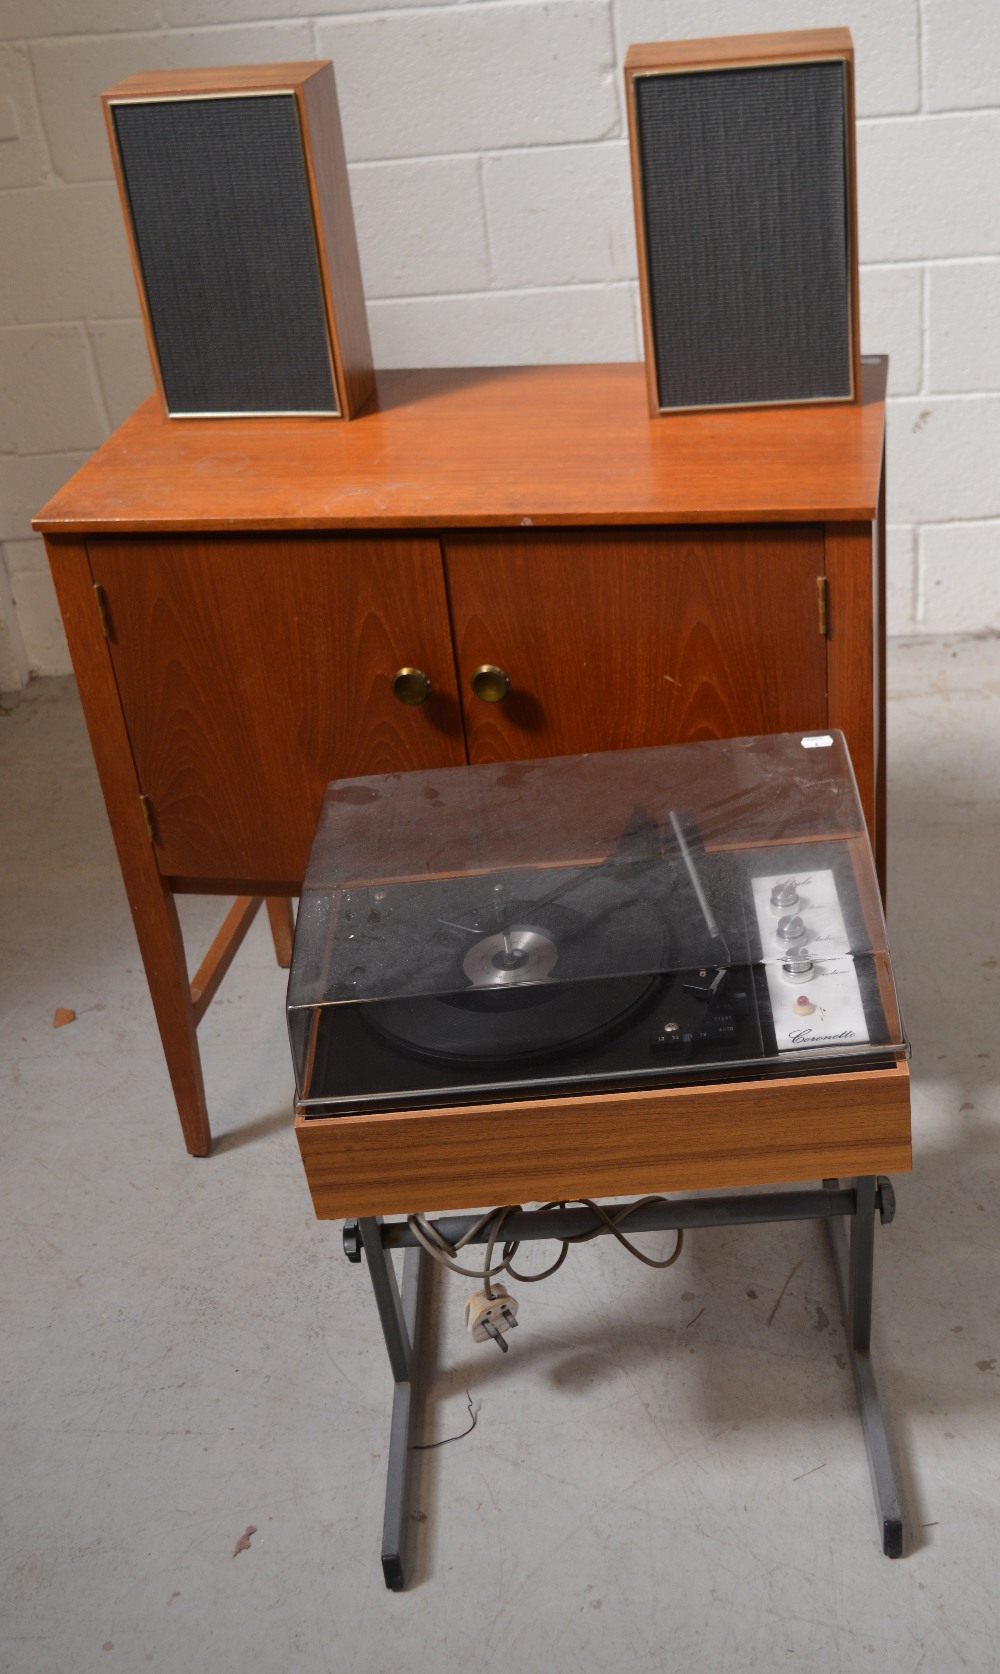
x=240, y=600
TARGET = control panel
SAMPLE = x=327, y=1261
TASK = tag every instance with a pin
x=811, y=977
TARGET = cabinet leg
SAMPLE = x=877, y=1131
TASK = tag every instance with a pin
x=279, y=912
x=151, y=902
x=162, y=947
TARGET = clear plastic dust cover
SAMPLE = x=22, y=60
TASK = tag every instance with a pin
x=699, y=911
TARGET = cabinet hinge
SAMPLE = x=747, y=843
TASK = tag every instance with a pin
x=821, y=602
x=102, y=609
x=147, y=814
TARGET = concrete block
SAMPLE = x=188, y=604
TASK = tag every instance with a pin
x=35, y=19
x=25, y=555
x=560, y=216
x=943, y=459
x=965, y=326
x=46, y=391
x=507, y=328
x=22, y=148
x=180, y=12
x=928, y=187
x=961, y=54
x=900, y=579
x=960, y=578
x=885, y=34
x=420, y=226
x=72, y=74
x=473, y=77
x=891, y=323
x=637, y=319
x=123, y=365
x=14, y=669
x=63, y=255
x=26, y=484
x=40, y=623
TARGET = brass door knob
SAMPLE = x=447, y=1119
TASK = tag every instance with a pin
x=411, y=685
x=490, y=683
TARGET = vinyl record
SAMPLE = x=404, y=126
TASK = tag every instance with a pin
x=508, y=1000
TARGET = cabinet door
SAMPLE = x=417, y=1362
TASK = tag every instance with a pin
x=614, y=639
x=253, y=670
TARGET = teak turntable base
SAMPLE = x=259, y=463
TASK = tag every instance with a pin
x=667, y=1139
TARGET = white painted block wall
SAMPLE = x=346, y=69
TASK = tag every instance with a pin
x=489, y=169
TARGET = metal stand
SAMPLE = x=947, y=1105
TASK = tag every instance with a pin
x=400, y=1317
x=854, y=1269
x=400, y=1314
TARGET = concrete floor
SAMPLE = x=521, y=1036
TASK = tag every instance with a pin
x=666, y=1474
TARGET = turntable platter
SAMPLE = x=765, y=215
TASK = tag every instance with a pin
x=521, y=954
x=531, y=988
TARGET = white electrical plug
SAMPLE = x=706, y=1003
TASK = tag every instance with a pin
x=490, y=1317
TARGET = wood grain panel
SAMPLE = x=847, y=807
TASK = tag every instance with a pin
x=807, y=1128
x=326, y=164
x=253, y=672
x=219, y=78
x=658, y=637
x=704, y=53
x=490, y=445
x=879, y=608
x=854, y=655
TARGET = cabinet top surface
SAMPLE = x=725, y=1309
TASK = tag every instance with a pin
x=503, y=446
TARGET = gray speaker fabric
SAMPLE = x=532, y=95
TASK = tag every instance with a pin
x=220, y=205
x=744, y=179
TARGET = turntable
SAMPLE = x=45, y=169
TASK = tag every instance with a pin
x=585, y=939
x=641, y=971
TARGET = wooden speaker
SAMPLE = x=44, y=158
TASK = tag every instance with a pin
x=238, y=212
x=743, y=174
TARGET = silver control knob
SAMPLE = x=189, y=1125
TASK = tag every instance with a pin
x=784, y=896
x=797, y=965
x=791, y=929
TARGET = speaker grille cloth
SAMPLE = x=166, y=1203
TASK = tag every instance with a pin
x=744, y=178
x=224, y=227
